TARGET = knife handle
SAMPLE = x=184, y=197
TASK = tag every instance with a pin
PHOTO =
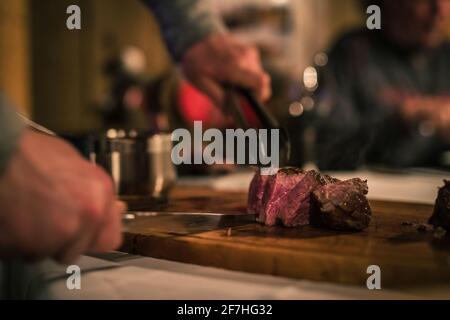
x=267, y=120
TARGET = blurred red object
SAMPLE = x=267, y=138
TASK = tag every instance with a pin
x=196, y=106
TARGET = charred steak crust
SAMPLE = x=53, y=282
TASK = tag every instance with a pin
x=441, y=213
x=342, y=205
x=324, y=179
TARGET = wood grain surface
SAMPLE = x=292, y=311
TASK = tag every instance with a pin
x=407, y=257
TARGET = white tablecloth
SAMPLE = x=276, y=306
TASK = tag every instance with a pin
x=123, y=276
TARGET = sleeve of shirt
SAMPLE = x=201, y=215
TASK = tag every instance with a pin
x=11, y=127
x=184, y=22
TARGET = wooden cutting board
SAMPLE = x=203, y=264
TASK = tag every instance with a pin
x=406, y=256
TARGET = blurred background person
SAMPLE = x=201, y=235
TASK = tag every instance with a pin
x=384, y=96
x=116, y=72
x=208, y=56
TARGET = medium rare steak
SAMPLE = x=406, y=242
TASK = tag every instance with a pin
x=297, y=205
x=284, y=197
x=441, y=213
x=294, y=197
x=256, y=193
x=342, y=205
x=277, y=190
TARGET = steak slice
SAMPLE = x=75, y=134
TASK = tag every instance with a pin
x=342, y=205
x=297, y=206
x=441, y=213
x=256, y=193
x=277, y=189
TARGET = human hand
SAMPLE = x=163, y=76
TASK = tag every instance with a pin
x=220, y=59
x=435, y=110
x=55, y=204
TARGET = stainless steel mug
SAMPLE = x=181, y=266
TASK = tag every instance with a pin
x=140, y=163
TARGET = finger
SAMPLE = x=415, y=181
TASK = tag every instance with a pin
x=81, y=242
x=92, y=215
x=250, y=60
x=121, y=206
x=266, y=88
x=256, y=81
x=70, y=252
x=107, y=240
x=109, y=236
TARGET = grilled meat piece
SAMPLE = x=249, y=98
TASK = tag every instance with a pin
x=256, y=193
x=342, y=205
x=285, y=197
x=277, y=190
x=441, y=213
x=296, y=210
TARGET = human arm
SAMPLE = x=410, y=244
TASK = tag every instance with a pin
x=209, y=57
x=53, y=202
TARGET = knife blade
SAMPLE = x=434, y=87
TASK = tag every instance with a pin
x=186, y=213
x=184, y=222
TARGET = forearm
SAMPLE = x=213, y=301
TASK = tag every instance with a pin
x=184, y=22
x=11, y=128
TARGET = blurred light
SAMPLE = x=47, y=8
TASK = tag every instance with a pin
x=308, y=103
x=321, y=59
x=129, y=216
x=296, y=109
x=121, y=133
x=133, y=59
x=427, y=128
x=111, y=133
x=280, y=2
x=133, y=133
x=310, y=78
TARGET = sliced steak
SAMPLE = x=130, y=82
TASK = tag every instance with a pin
x=297, y=205
x=294, y=197
x=277, y=189
x=342, y=205
x=256, y=193
x=441, y=213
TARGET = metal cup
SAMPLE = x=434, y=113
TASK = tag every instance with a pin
x=140, y=163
